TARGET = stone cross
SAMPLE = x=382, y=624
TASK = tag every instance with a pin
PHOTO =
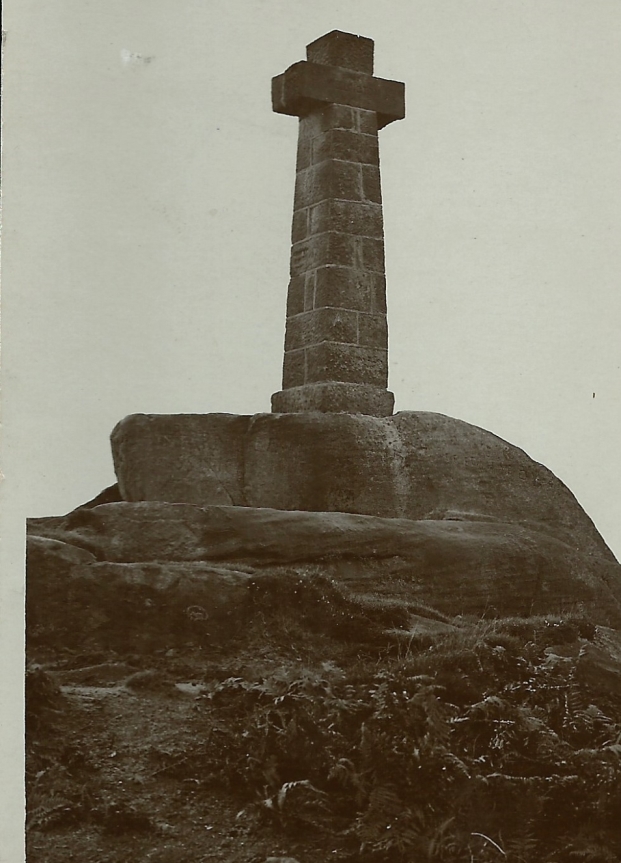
x=336, y=341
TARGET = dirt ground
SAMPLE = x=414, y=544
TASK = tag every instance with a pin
x=182, y=755
x=116, y=770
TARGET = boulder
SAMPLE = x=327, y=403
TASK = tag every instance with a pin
x=411, y=512
x=74, y=601
x=111, y=494
x=412, y=465
x=599, y=664
x=474, y=567
x=50, y=564
x=50, y=556
x=181, y=458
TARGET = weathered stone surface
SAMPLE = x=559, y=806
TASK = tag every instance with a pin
x=335, y=397
x=340, y=288
x=354, y=364
x=455, y=566
x=326, y=325
x=74, y=600
x=53, y=555
x=323, y=250
x=344, y=146
x=599, y=664
x=316, y=183
x=203, y=453
x=598, y=670
x=348, y=217
x=347, y=288
x=305, y=85
x=111, y=494
x=412, y=465
x=343, y=49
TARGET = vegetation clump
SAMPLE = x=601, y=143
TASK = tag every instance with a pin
x=332, y=733
x=480, y=746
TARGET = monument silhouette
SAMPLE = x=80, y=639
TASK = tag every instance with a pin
x=336, y=342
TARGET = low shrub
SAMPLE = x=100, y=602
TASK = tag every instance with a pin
x=477, y=748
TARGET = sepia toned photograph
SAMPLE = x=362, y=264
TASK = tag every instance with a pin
x=311, y=402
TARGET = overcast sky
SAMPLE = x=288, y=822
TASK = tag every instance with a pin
x=147, y=202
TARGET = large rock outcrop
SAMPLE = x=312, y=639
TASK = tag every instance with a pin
x=415, y=511
x=144, y=566
x=411, y=465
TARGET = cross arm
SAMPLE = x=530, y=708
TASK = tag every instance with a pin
x=305, y=85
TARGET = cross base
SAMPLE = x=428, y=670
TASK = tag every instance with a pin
x=335, y=397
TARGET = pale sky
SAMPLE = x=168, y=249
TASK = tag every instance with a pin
x=148, y=190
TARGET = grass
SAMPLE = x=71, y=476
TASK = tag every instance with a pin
x=477, y=743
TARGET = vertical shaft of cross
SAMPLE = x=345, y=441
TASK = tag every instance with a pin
x=336, y=341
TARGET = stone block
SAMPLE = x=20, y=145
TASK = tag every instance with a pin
x=342, y=49
x=295, y=295
x=378, y=297
x=412, y=465
x=335, y=397
x=341, y=462
x=331, y=361
x=348, y=217
x=346, y=287
x=303, y=158
x=371, y=184
x=366, y=121
x=323, y=249
x=309, y=290
x=370, y=254
x=200, y=454
x=300, y=225
x=335, y=117
x=294, y=369
x=348, y=146
x=321, y=325
x=306, y=86
x=372, y=331
x=328, y=180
